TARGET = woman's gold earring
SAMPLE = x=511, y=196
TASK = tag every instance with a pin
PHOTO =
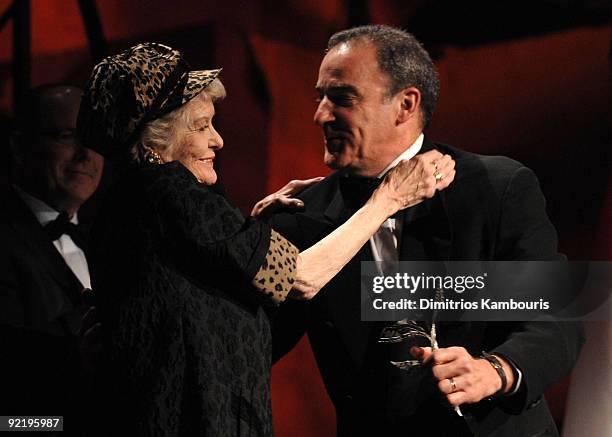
x=152, y=157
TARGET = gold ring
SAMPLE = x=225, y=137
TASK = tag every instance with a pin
x=439, y=176
x=453, y=385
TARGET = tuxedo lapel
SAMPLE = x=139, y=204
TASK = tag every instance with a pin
x=43, y=252
x=339, y=303
x=426, y=232
x=337, y=212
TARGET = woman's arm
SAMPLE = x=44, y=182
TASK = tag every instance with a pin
x=406, y=185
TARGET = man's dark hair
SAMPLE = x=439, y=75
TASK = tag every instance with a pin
x=402, y=57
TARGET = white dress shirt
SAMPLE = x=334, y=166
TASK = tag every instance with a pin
x=72, y=254
x=386, y=240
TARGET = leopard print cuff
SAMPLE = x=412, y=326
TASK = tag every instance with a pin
x=276, y=275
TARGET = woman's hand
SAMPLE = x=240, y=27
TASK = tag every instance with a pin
x=406, y=185
x=413, y=181
x=283, y=199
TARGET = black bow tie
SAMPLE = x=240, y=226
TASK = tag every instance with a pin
x=62, y=225
x=357, y=190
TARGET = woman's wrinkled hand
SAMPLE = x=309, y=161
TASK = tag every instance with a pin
x=413, y=181
x=283, y=200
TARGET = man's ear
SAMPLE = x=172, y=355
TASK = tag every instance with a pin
x=409, y=104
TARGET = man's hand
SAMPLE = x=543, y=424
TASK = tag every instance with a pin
x=462, y=378
x=283, y=199
x=413, y=181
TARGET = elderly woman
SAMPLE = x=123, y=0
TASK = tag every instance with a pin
x=181, y=276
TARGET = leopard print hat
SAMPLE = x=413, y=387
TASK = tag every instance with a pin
x=128, y=90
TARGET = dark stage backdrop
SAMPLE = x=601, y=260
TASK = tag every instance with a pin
x=537, y=91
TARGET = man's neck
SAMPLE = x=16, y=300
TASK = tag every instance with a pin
x=405, y=155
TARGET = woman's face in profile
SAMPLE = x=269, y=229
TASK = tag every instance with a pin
x=198, y=149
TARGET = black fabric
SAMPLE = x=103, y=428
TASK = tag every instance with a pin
x=40, y=315
x=62, y=225
x=357, y=190
x=494, y=210
x=186, y=343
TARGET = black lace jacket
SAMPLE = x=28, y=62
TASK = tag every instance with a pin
x=181, y=277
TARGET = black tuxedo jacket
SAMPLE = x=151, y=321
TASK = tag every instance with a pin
x=40, y=314
x=494, y=210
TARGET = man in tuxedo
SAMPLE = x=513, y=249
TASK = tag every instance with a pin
x=377, y=91
x=44, y=268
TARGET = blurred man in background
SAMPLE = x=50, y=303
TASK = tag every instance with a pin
x=43, y=261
